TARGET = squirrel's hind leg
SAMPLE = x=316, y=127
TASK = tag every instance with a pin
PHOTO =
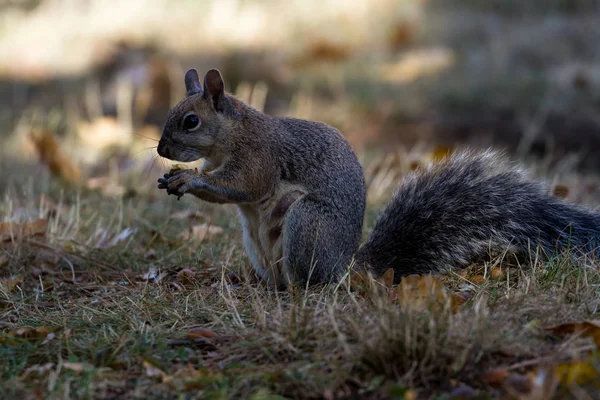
x=318, y=242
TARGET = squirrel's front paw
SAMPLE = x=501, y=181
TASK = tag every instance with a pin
x=179, y=182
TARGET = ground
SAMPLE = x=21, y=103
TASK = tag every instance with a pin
x=149, y=297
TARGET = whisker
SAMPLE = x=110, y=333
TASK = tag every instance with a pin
x=141, y=151
x=149, y=170
x=146, y=137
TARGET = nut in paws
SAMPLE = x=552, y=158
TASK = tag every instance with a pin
x=179, y=182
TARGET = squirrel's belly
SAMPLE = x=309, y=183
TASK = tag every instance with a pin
x=264, y=229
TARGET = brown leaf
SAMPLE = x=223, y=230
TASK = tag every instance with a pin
x=4, y=260
x=325, y=50
x=496, y=376
x=200, y=333
x=200, y=232
x=10, y=284
x=560, y=191
x=15, y=231
x=458, y=299
x=387, y=279
x=50, y=154
x=498, y=273
x=189, y=215
x=77, y=367
x=587, y=328
x=421, y=292
x=440, y=153
x=477, y=279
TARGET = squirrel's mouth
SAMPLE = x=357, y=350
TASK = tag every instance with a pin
x=178, y=153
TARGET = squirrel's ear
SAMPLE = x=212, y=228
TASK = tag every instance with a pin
x=214, y=89
x=192, y=82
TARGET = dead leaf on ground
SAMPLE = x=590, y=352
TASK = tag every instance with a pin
x=77, y=366
x=152, y=369
x=387, y=279
x=498, y=273
x=440, y=153
x=576, y=372
x=421, y=292
x=200, y=232
x=15, y=231
x=560, y=191
x=496, y=376
x=189, y=215
x=32, y=333
x=200, y=333
x=11, y=284
x=477, y=279
x=50, y=154
x=586, y=328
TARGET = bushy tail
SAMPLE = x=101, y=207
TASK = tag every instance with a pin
x=466, y=207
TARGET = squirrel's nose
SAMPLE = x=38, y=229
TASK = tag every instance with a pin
x=162, y=149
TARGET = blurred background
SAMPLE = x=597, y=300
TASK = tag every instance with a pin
x=85, y=85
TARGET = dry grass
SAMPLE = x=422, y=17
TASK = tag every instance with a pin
x=120, y=292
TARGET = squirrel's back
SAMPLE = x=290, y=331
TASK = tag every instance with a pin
x=468, y=206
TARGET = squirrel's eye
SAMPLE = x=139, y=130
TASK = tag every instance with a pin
x=191, y=122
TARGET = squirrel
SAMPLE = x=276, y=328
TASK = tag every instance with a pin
x=301, y=196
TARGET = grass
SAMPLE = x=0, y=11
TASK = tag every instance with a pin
x=123, y=319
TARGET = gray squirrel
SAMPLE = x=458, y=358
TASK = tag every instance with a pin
x=301, y=195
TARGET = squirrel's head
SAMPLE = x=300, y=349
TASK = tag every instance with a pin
x=195, y=126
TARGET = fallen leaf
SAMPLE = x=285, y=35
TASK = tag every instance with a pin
x=387, y=279
x=152, y=369
x=477, y=279
x=576, y=373
x=440, y=153
x=11, y=284
x=77, y=367
x=496, y=376
x=3, y=260
x=15, y=231
x=560, y=191
x=421, y=292
x=200, y=333
x=50, y=154
x=587, y=328
x=189, y=215
x=200, y=232
x=498, y=273
x=458, y=299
